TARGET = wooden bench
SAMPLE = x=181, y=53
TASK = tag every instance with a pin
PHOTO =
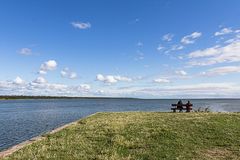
x=180, y=107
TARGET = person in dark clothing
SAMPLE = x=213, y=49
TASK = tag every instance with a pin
x=179, y=105
x=188, y=106
x=180, y=102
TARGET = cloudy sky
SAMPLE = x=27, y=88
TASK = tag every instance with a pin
x=137, y=48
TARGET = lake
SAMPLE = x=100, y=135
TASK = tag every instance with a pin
x=21, y=120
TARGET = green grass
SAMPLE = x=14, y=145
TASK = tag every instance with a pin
x=142, y=135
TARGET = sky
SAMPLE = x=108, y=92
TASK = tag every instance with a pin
x=137, y=48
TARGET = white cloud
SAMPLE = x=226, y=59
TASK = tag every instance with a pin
x=230, y=40
x=161, y=80
x=100, y=77
x=73, y=75
x=217, y=54
x=66, y=73
x=198, y=87
x=40, y=80
x=112, y=79
x=168, y=37
x=81, y=25
x=176, y=47
x=25, y=51
x=47, y=88
x=181, y=72
x=199, y=90
x=189, y=39
x=100, y=92
x=180, y=57
x=40, y=86
x=234, y=39
x=205, y=53
x=48, y=66
x=160, y=47
x=107, y=79
x=84, y=87
x=223, y=32
x=42, y=72
x=18, y=81
x=122, y=78
x=58, y=89
x=222, y=70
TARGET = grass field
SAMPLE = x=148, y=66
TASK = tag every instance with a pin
x=142, y=135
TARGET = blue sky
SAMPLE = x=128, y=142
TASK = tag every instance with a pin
x=147, y=49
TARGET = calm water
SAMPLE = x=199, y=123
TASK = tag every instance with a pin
x=21, y=120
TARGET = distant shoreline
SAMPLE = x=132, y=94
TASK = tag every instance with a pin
x=22, y=97
x=57, y=97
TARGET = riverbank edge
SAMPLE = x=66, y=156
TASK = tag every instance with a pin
x=15, y=148
x=23, y=144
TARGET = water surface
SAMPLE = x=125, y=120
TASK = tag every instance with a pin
x=21, y=120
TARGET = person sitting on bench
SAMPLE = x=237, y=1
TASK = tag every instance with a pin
x=180, y=105
x=188, y=106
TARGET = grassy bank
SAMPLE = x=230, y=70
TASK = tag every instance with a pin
x=142, y=135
